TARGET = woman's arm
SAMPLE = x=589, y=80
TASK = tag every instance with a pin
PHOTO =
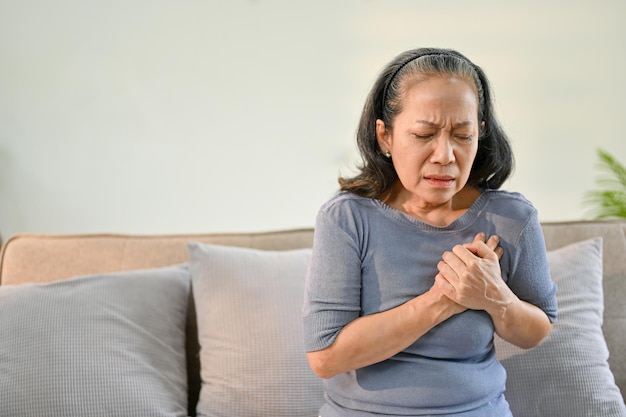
x=376, y=337
x=521, y=324
x=470, y=275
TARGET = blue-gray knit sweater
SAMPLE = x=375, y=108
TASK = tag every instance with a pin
x=368, y=258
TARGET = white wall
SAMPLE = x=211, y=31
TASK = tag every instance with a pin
x=160, y=116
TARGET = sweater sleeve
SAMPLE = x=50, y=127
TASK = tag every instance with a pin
x=530, y=277
x=332, y=296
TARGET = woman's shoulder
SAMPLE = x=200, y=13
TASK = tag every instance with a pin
x=512, y=208
x=349, y=211
x=345, y=200
x=509, y=200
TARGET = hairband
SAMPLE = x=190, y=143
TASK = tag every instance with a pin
x=405, y=63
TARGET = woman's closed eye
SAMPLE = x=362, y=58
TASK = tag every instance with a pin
x=424, y=136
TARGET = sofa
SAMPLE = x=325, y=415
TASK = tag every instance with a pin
x=209, y=324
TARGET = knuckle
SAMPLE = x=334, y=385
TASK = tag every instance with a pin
x=473, y=264
x=465, y=276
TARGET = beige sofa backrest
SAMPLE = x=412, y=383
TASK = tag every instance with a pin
x=45, y=258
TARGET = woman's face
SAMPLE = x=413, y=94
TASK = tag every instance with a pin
x=433, y=141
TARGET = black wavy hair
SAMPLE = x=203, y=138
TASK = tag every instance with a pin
x=494, y=159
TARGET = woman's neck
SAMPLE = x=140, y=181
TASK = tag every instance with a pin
x=434, y=214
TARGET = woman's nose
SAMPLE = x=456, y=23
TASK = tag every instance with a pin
x=443, y=152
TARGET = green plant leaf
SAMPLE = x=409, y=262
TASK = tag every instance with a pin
x=609, y=200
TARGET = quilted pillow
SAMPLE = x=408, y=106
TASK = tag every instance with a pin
x=248, y=304
x=568, y=374
x=105, y=345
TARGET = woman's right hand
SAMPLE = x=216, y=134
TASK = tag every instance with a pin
x=484, y=256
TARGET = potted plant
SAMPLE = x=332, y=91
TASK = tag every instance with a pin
x=609, y=199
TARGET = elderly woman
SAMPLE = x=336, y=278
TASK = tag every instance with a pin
x=420, y=258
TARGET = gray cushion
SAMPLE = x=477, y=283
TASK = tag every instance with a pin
x=248, y=304
x=106, y=345
x=568, y=374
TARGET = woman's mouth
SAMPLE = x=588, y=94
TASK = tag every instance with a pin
x=440, y=181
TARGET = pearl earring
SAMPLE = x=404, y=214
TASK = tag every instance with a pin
x=387, y=153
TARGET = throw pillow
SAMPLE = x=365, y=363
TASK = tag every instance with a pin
x=248, y=304
x=105, y=345
x=568, y=374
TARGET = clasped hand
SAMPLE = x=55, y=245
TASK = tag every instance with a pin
x=470, y=275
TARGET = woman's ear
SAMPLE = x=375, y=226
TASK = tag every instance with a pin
x=481, y=130
x=383, y=138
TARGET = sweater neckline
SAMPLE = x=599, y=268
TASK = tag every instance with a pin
x=466, y=219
